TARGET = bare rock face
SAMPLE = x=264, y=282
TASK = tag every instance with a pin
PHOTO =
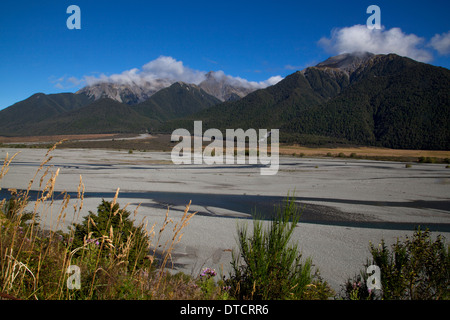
x=347, y=62
x=223, y=87
x=129, y=93
x=217, y=84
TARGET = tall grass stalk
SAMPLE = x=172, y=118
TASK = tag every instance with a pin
x=25, y=247
x=34, y=259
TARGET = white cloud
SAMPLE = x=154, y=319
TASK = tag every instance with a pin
x=64, y=82
x=271, y=81
x=381, y=41
x=168, y=68
x=441, y=43
x=238, y=81
x=161, y=68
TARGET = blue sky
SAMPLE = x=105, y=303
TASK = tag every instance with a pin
x=252, y=40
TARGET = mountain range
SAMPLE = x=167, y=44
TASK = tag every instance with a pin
x=360, y=98
x=216, y=83
x=357, y=98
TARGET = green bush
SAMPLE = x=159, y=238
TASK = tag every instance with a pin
x=114, y=233
x=427, y=160
x=269, y=266
x=416, y=269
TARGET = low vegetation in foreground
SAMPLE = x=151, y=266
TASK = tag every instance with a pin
x=415, y=269
x=268, y=266
x=110, y=255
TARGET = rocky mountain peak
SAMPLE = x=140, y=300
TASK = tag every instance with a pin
x=347, y=62
x=223, y=87
x=129, y=93
x=216, y=83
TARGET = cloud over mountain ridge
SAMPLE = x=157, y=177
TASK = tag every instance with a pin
x=385, y=41
x=136, y=85
x=172, y=70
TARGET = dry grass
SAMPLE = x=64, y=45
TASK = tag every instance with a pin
x=169, y=245
x=362, y=151
x=19, y=242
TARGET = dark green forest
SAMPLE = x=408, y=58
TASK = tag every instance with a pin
x=390, y=101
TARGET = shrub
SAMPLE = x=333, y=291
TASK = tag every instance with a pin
x=272, y=266
x=427, y=160
x=415, y=269
x=113, y=232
